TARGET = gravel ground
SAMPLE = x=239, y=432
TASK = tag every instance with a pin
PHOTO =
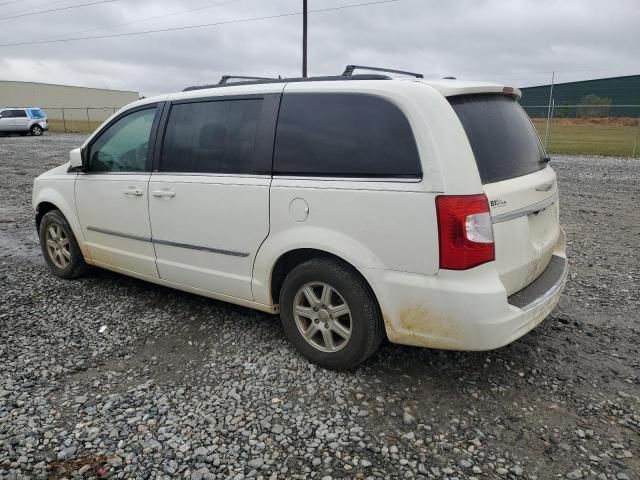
x=180, y=386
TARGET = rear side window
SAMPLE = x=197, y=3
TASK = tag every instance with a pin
x=36, y=113
x=343, y=135
x=501, y=135
x=212, y=137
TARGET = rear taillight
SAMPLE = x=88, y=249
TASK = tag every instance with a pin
x=465, y=231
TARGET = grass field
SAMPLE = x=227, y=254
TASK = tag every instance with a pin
x=72, y=126
x=591, y=136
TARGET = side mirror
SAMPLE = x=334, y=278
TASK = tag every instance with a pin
x=75, y=158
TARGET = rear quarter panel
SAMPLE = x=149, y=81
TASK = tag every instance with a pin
x=361, y=223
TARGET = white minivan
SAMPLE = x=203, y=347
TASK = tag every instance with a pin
x=359, y=207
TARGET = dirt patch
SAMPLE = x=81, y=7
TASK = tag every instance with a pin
x=83, y=466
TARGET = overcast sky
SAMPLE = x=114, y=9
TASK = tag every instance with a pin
x=517, y=42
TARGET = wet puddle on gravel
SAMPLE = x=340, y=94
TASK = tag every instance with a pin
x=19, y=244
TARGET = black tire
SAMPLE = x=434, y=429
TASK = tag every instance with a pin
x=76, y=266
x=36, y=130
x=367, y=326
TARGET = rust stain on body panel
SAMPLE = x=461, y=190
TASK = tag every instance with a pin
x=420, y=327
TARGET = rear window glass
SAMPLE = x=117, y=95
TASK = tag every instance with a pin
x=36, y=113
x=343, y=135
x=501, y=135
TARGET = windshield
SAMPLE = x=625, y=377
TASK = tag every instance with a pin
x=36, y=113
x=501, y=135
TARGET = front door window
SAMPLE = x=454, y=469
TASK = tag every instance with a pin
x=123, y=146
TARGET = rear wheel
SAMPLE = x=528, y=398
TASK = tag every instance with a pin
x=330, y=314
x=59, y=246
x=36, y=130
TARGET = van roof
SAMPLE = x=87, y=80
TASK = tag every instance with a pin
x=447, y=87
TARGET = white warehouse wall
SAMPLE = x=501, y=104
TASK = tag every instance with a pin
x=76, y=100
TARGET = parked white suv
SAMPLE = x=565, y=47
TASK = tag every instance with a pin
x=23, y=121
x=356, y=206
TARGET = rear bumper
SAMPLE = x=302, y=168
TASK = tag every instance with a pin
x=534, y=302
x=545, y=286
x=465, y=310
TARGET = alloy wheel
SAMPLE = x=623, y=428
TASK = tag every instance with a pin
x=58, y=245
x=322, y=316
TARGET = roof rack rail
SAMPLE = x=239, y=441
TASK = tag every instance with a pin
x=348, y=71
x=226, y=78
x=341, y=78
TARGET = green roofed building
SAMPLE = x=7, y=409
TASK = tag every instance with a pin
x=602, y=97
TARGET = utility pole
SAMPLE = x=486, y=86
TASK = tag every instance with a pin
x=304, y=38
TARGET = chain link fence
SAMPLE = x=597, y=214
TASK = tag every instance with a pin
x=588, y=128
x=77, y=119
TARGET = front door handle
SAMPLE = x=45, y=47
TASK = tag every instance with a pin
x=133, y=191
x=163, y=193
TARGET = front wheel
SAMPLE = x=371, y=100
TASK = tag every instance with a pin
x=36, y=130
x=59, y=246
x=329, y=314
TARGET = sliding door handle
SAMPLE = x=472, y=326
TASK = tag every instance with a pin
x=163, y=193
x=136, y=192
